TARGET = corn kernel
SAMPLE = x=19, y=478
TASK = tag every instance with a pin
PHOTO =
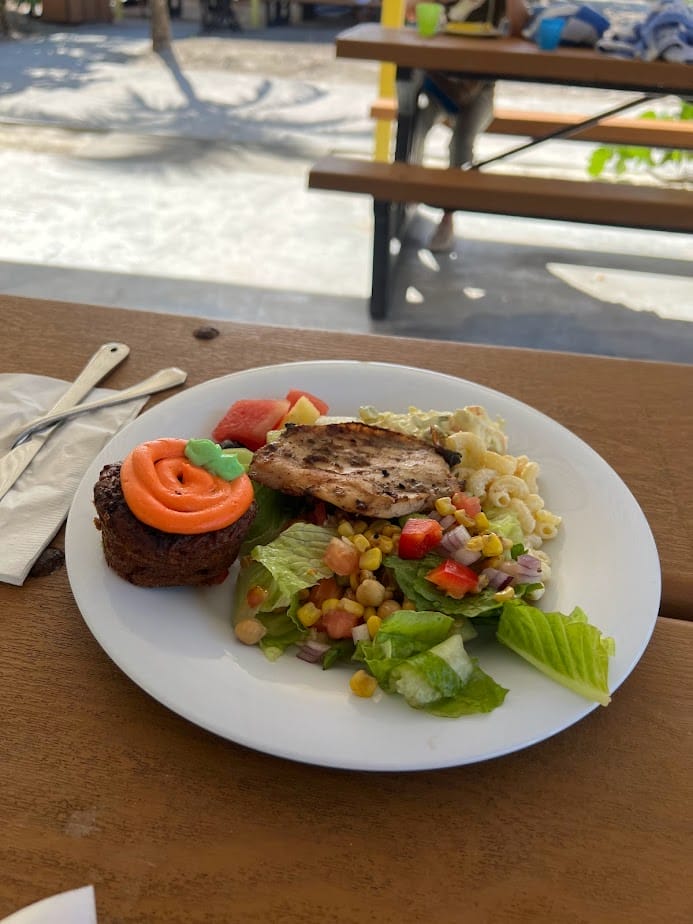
x=481, y=521
x=368, y=612
x=308, y=614
x=331, y=604
x=360, y=542
x=362, y=684
x=391, y=530
x=351, y=606
x=385, y=544
x=374, y=623
x=345, y=528
x=353, y=581
x=360, y=526
x=504, y=595
x=445, y=506
x=463, y=518
x=491, y=545
x=371, y=560
x=408, y=605
x=475, y=544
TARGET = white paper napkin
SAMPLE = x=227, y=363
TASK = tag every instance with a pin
x=33, y=510
x=75, y=907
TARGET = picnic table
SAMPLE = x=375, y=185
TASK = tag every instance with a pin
x=393, y=185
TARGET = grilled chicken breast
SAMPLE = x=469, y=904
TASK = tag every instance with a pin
x=359, y=468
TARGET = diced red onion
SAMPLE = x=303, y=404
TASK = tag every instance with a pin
x=528, y=563
x=434, y=515
x=497, y=579
x=447, y=521
x=360, y=633
x=466, y=556
x=315, y=645
x=455, y=539
x=305, y=653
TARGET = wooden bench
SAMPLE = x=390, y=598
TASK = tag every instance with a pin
x=646, y=207
x=650, y=133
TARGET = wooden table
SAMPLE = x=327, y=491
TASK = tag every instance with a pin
x=101, y=784
x=512, y=59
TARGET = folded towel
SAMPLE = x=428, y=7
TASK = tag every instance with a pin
x=666, y=33
x=33, y=510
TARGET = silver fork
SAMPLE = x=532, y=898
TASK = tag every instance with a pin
x=164, y=378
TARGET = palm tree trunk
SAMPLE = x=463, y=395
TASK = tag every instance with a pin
x=4, y=21
x=161, y=25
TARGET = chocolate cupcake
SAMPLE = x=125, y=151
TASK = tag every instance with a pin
x=166, y=521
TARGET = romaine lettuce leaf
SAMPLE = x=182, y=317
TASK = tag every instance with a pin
x=253, y=574
x=446, y=682
x=295, y=559
x=282, y=632
x=566, y=648
x=480, y=693
x=411, y=577
x=274, y=511
x=422, y=657
x=505, y=523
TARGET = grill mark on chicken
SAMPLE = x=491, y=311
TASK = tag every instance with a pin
x=356, y=467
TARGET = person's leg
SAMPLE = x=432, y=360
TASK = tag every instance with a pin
x=473, y=118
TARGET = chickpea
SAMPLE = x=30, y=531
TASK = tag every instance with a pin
x=387, y=608
x=370, y=593
x=250, y=631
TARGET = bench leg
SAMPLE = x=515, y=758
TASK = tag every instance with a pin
x=380, y=285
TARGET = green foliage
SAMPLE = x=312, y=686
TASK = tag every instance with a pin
x=621, y=158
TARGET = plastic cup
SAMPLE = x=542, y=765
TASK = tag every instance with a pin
x=549, y=35
x=428, y=18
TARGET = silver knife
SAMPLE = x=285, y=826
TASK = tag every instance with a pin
x=106, y=358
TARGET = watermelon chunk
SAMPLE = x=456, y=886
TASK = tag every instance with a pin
x=248, y=421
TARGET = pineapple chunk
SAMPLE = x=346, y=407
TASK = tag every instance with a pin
x=304, y=412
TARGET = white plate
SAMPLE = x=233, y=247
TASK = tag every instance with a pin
x=178, y=645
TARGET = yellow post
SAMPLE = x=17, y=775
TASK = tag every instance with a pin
x=255, y=15
x=392, y=16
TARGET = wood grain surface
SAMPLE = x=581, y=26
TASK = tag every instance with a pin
x=511, y=59
x=637, y=415
x=101, y=784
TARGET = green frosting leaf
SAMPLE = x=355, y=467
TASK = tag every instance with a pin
x=225, y=463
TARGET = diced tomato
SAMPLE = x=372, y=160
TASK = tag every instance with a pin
x=247, y=421
x=452, y=577
x=326, y=589
x=255, y=596
x=339, y=623
x=467, y=502
x=296, y=393
x=419, y=535
x=341, y=557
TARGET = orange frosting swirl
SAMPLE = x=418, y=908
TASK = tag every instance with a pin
x=165, y=490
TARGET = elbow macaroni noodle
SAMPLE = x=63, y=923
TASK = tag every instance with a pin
x=510, y=483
